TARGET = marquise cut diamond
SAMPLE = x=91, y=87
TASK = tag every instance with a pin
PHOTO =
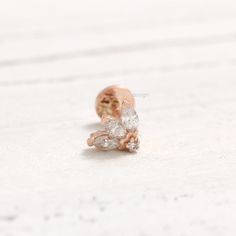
x=105, y=143
x=130, y=119
x=115, y=129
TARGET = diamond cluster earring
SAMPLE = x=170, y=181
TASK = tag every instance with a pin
x=115, y=107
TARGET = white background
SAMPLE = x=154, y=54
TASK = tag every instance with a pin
x=177, y=57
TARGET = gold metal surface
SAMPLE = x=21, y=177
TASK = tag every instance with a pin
x=111, y=100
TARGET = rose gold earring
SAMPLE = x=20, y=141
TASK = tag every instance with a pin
x=115, y=107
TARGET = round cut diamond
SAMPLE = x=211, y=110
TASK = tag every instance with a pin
x=105, y=143
x=129, y=119
x=133, y=146
x=115, y=129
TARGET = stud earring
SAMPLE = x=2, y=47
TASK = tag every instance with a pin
x=115, y=107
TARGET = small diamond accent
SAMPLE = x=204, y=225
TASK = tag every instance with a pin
x=133, y=146
x=130, y=119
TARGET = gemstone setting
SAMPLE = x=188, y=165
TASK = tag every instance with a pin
x=105, y=143
x=115, y=129
x=133, y=146
x=117, y=133
x=130, y=119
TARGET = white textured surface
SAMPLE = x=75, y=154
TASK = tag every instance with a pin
x=179, y=58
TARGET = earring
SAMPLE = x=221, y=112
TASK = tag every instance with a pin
x=115, y=107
